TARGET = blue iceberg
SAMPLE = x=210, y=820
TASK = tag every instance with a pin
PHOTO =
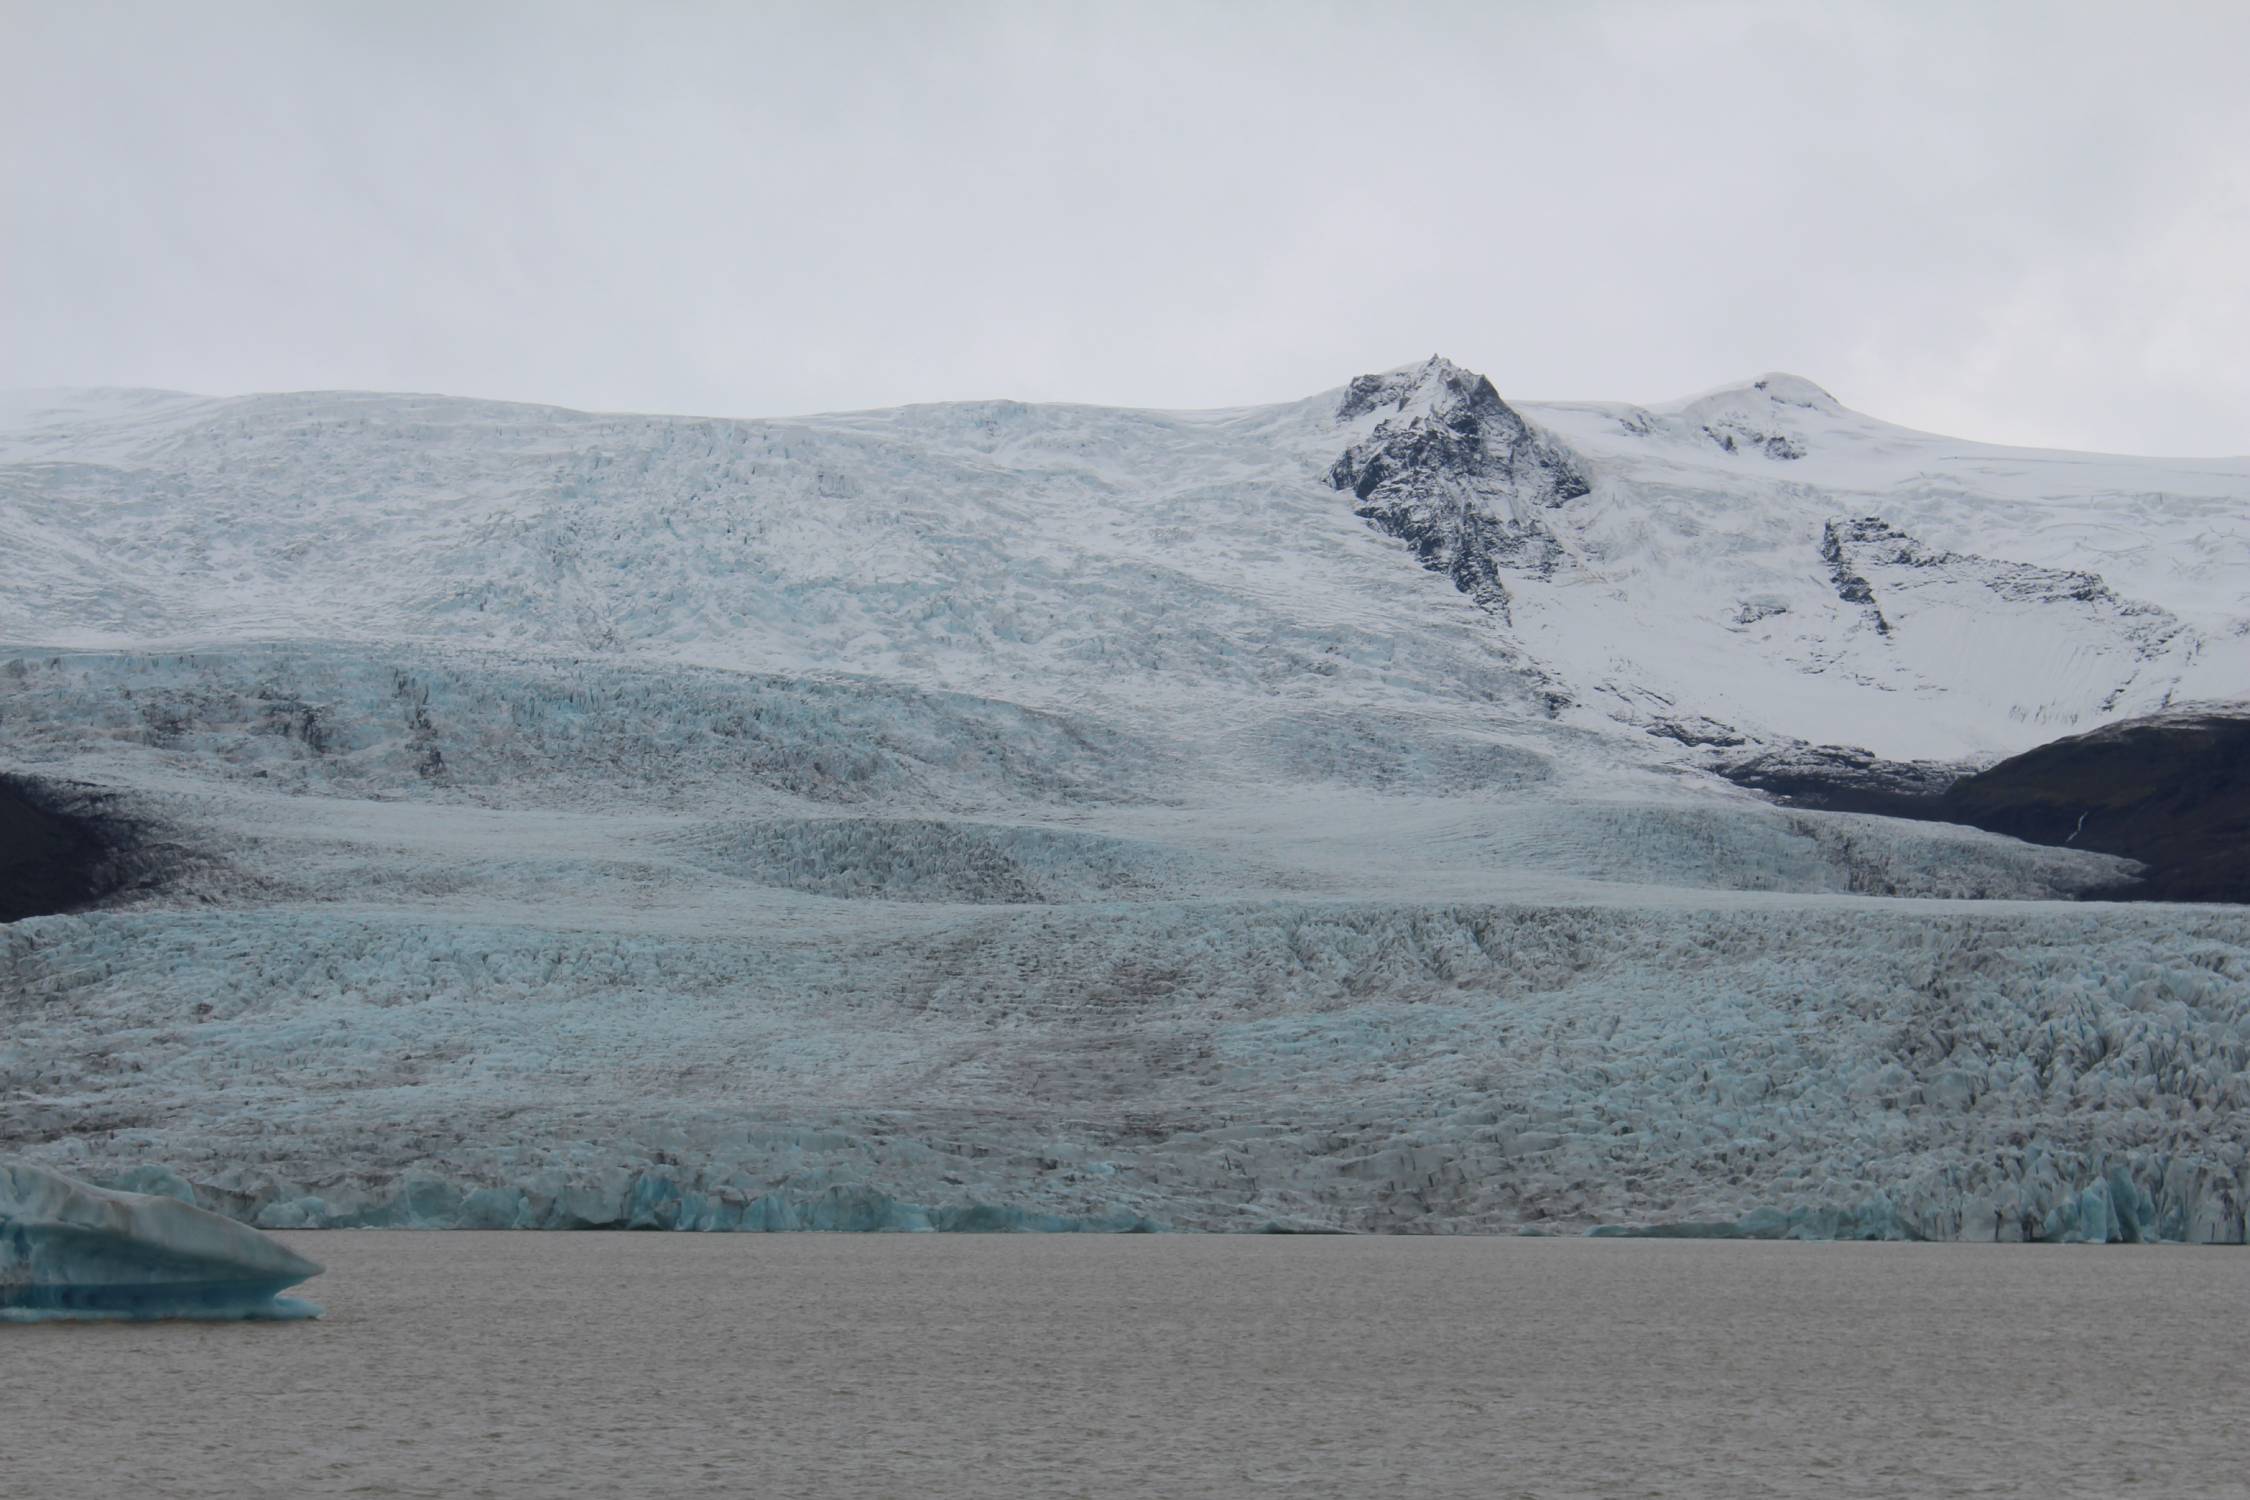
x=72, y=1251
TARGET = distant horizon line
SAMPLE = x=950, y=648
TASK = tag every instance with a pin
x=1747, y=384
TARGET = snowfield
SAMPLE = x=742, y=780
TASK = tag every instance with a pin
x=1003, y=816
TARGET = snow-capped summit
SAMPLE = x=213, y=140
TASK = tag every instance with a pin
x=1775, y=388
x=1433, y=387
x=1794, y=390
x=1776, y=416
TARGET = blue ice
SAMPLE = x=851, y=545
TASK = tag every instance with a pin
x=69, y=1250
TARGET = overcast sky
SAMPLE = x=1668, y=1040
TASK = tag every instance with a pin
x=2024, y=223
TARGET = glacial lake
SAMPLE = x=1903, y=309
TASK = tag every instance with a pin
x=460, y=1364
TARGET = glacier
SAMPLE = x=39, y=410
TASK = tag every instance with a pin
x=999, y=817
x=1211, y=1066
x=70, y=1252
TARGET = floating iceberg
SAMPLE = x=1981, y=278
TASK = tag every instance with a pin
x=68, y=1250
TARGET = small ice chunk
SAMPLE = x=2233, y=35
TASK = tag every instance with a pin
x=72, y=1251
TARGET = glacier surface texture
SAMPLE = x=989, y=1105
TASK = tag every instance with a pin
x=436, y=812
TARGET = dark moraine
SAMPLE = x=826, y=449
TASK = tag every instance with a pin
x=65, y=846
x=1844, y=778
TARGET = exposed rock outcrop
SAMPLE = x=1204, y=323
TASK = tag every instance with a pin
x=1458, y=475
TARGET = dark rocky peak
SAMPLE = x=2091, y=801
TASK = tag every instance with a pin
x=1453, y=471
x=1446, y=425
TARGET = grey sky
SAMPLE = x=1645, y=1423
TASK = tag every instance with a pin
x=2020, y=222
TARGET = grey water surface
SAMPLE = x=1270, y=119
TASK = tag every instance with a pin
x=461, y=1364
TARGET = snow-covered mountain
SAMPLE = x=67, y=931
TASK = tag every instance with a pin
x=994, y=814
x=1758, y=562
